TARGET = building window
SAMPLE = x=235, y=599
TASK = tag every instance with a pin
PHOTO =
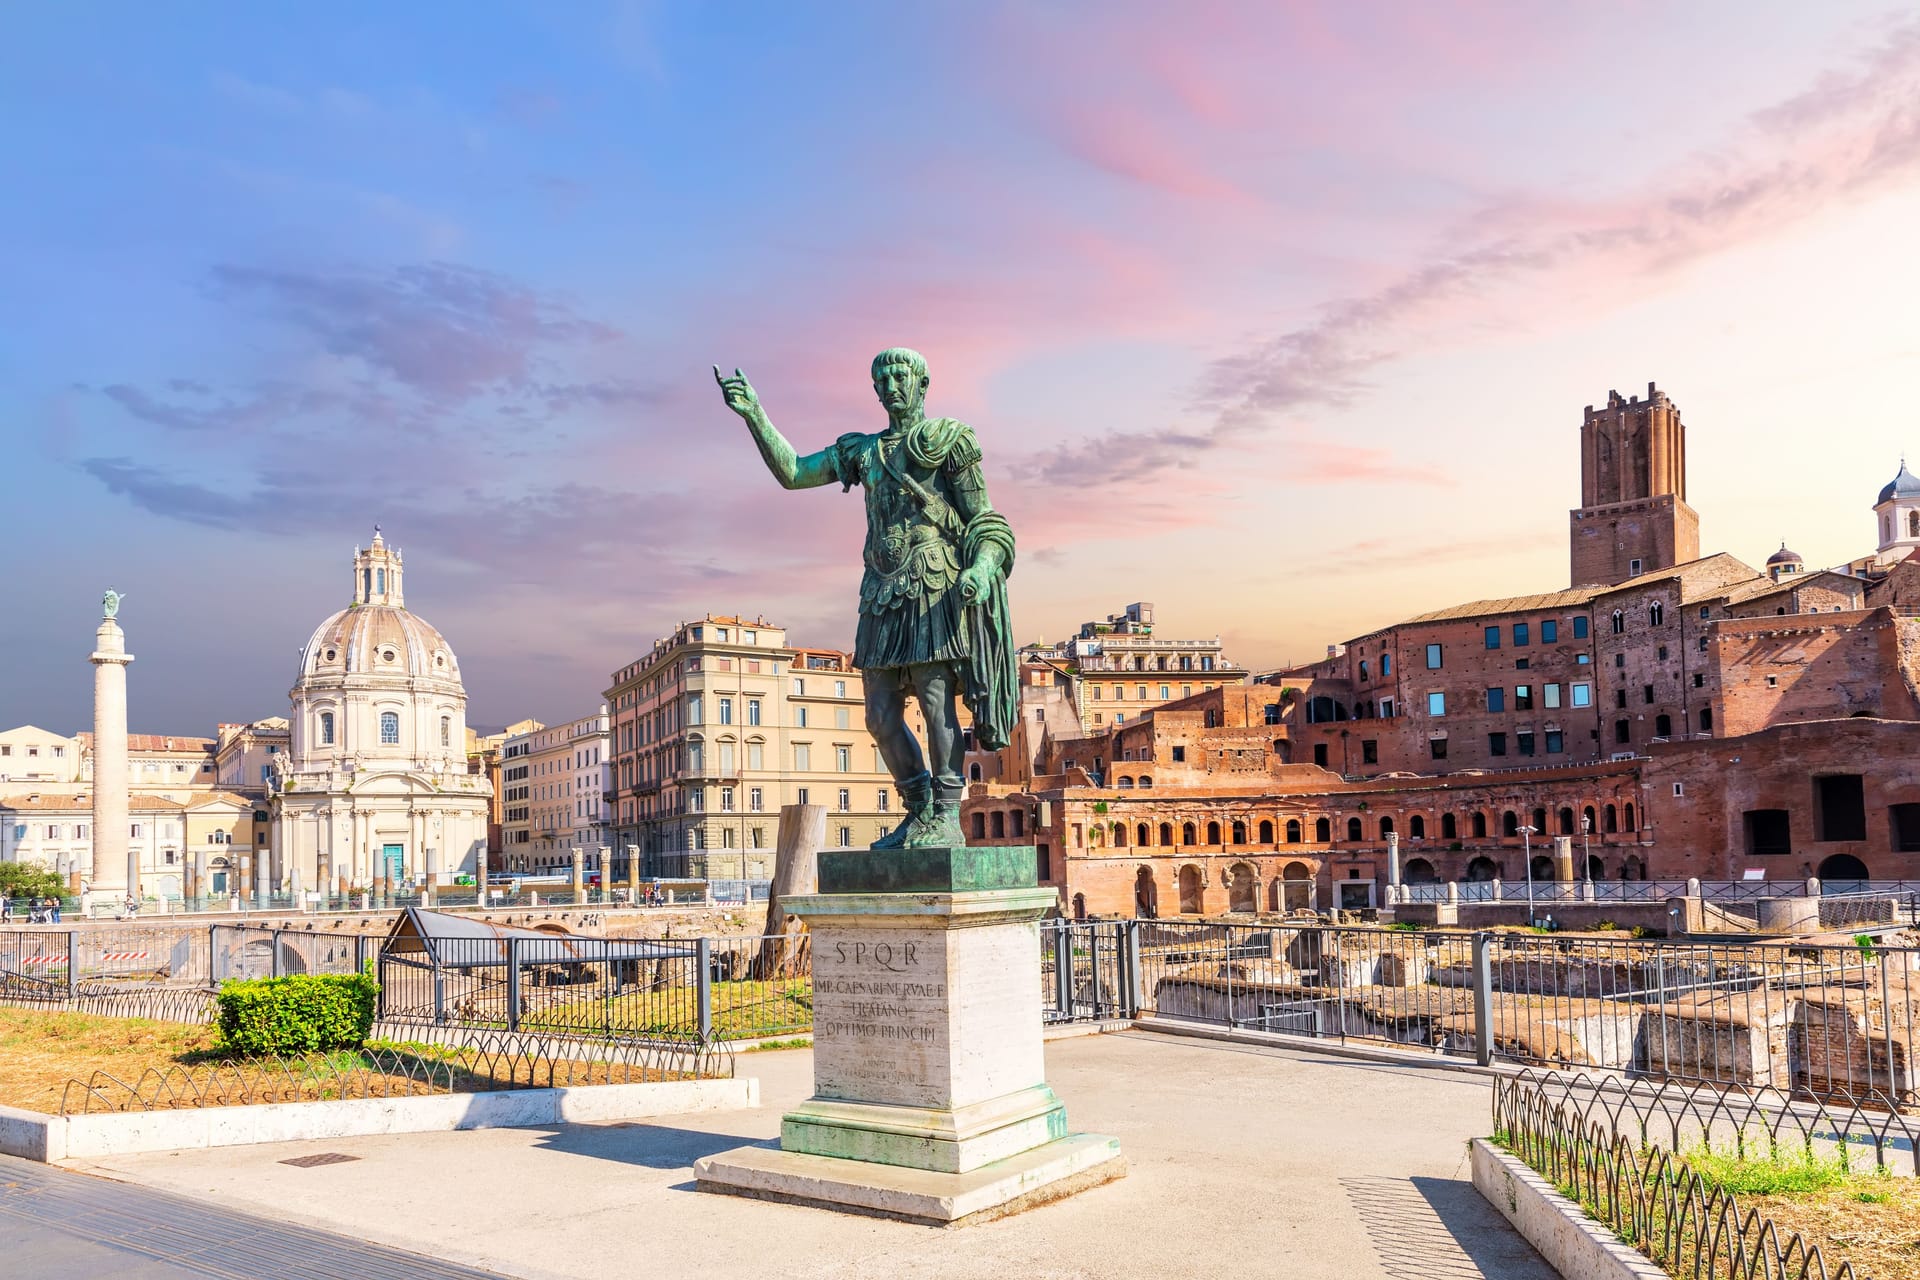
x=1436, y=704
x=843, y=759
x=1634, y=569
x=1551, y=698
x=800, y=796
x=1523, y=697
x=753, y=711
x=1496, y=700
x=1706, y=719
x=1619, y=623
x=1646, y=694
x=880, y=800
x=1768, y=831
x=1549, y=631
x=1320, y=754
x=1556, y=742
x=846, y=837
x=799, y=687
x=1369, y=751
x=1580, y=628
x=1363, y=672
x=1493, y=637
x=326, y=728
x=1699, y=681
x=802, y=757
x=1524, y=740
x=446, y=731
x=1433, y=657
x=694, y=709
x=1496, y=744
x=1437, y=748
x=846, y=800
x=1179, y=755
x=726, y=799
x=1656, y=613
x=390, y=728
x=1386, y=665
x=1522, y=635
x=1622, y=731
x=1839, y=807
x=726, y=711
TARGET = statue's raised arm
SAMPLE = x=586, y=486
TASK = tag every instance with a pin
x=791, y=470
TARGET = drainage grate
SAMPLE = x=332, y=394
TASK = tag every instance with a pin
x=314, y=1162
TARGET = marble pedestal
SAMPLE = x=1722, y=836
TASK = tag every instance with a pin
x=930, y=1098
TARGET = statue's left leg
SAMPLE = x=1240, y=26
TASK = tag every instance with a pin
x=937, y=686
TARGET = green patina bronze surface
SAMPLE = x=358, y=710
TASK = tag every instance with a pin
x=929, y=870
x=932, y=610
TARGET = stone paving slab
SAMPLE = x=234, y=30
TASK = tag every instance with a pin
x=1244, y=1160
x=58, y=1225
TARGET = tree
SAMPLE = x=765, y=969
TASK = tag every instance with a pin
x=29, y=880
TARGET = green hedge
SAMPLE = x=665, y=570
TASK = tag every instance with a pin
x=299, y=1014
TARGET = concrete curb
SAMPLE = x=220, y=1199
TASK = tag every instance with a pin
x=49, y=1139
x=1334, y=1048
x=1573, y=1244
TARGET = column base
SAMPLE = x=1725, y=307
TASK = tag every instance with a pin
x=1051, y=1172
x=937, y=1140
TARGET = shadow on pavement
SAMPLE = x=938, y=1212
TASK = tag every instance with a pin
x=1440, y=1229
x=651, y=1146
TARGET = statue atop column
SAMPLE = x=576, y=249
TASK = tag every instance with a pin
x=110, y=603
x=933, y=598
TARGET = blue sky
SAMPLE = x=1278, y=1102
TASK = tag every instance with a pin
x=1279, y=316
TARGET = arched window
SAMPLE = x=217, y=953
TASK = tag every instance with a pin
x=1145, y=781
x=1124, y=782
x=1619, y=622
x=1509, y=823
x=1479, y=826
x=1353, y=829
x=1417, y=827
x=1240, y=833
x=1213, y=833
x=1386, y=827
x=1322, y=831
x=446, y=731
x=1143, y=835
x=1119, y=835
x=390, y=728
x=973, y=771
x=1589, y=821
x=1386, y=665
x=979, y=826
x=326, y=728
x=1449, y=827
x=1913, y=524
x=1663, y=726
x=997, y=823
x=1630, y=825
x=1706, y=719
x=1481, y=870
x=1293, y=832
x=1655, y=612
x=1363, y=672
x=1611, y=818
x=1187, y=833
x=1540, y=822
x=1166, y=833
x=1566, y=820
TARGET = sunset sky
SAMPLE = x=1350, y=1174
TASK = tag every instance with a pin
x=1280, y=317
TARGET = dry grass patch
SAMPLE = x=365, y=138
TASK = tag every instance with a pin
x=40, y=1052
x=1872, y=1222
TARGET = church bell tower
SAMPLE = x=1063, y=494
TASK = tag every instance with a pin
x=1633, y=516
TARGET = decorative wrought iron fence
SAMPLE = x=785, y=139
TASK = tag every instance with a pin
x=477, y=1063
x=1650, y=1195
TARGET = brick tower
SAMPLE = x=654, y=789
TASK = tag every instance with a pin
x=1633, y=516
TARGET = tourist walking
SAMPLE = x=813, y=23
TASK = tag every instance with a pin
x=53, y=910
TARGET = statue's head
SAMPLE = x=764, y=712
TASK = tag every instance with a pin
x=900, y=380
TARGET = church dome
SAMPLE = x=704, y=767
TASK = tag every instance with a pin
x=1784, y=556
x=1904, y=485
x=377, y=635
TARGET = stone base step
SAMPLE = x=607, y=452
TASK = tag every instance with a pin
x=1049, y=1172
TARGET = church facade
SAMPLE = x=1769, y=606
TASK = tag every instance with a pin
x=375, y=783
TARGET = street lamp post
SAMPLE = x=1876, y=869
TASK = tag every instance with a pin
x=1526, y=843
x=1586, y=847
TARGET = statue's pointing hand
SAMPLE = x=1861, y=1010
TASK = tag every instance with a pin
x=738, y=391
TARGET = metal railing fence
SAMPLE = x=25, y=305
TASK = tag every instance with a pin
x=1087, y=970
x=1650, y=1195
x=1906, y=892
x=1828, y=1022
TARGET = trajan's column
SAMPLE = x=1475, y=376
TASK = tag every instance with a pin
x=116, y=858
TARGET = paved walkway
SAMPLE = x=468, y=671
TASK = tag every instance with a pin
x=56, y=1225
x=1245, y=1161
